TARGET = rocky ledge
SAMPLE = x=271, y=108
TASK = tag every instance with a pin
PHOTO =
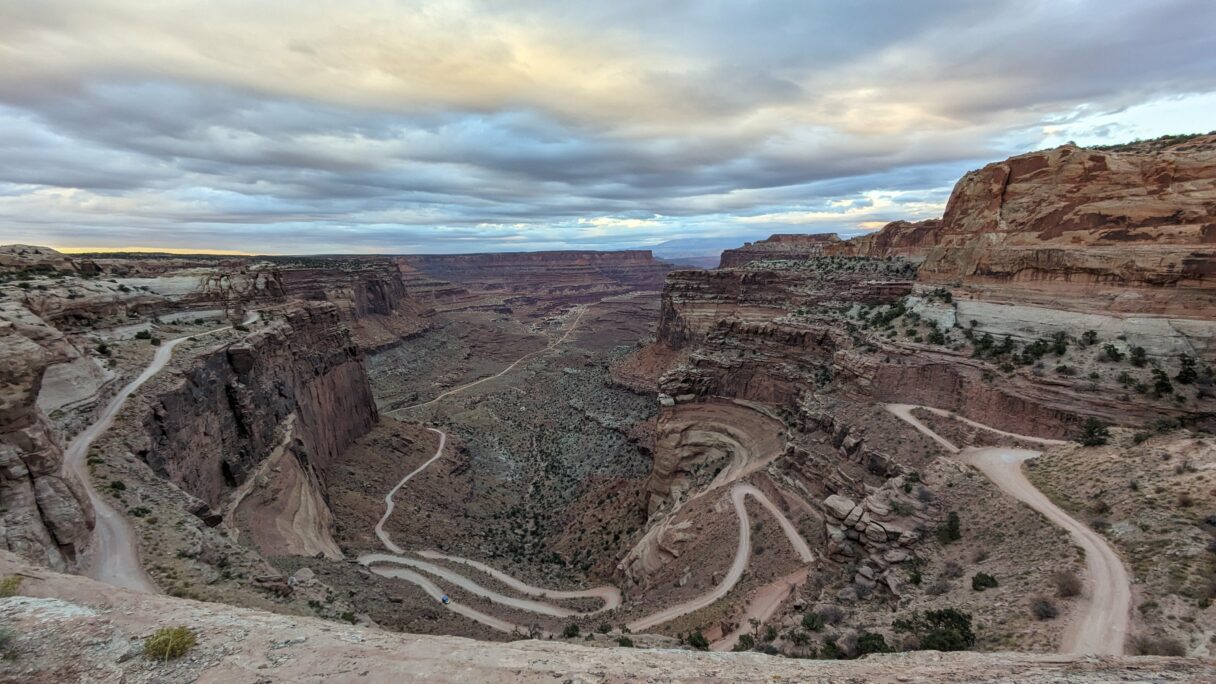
x=66, y=628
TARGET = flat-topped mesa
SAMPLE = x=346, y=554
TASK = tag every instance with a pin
x=780, y=246
x=908, y=240
x=1127, y=231
x=565, y=274
x=369, y=293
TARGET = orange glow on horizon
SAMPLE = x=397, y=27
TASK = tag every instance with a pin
x=151, y=250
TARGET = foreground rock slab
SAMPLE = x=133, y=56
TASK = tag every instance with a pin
x=68, y=628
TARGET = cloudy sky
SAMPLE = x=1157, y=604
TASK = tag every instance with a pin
x=392, y=126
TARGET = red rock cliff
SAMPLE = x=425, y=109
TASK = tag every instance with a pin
x=1130, y=231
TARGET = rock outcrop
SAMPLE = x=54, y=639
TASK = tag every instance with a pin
x=45, y=516
x=68, y=628
x=912, y=241
x=297, y=386
x=780, y=246
x=1126, y=232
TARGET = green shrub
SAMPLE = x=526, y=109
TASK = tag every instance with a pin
x=950, y=531
x=624, y=641
x=1093, y=433
x=168, y=643
x=746, y=642
x=871, y=642
x=948, y=629
x=982, y=581
x=812, y=621
x=570, y=631
x=698, y=641
x=143, y=335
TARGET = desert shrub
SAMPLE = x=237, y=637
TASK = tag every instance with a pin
x=746, y=642
x=9, y=586
x=871, y=642
x=1158, y=646
x=143, y=335
x=1139, y=357
x=830, y=614
x=950, y=531
x=1093, y=433
x=813, y=622
x=1161, y=383
x=168, y=643
x=1186, y=372
x=948, y=629
x=952, y=569
x=624, y=641
x=982, y=580
x=698, y=641
x=938, y=588
x=570, y=631
x=1067, y=584
x=1089, y=338
x=604, y=628
x=1042, y=608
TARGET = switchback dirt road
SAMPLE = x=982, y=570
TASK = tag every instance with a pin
x=113, y=554
x=1102, y=628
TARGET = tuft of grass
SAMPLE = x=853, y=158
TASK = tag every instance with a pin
x=168, y=643
x=9, y=586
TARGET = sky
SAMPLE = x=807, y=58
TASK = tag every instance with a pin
x=379, y=126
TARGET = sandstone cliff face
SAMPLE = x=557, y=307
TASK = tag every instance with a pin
x=369, y=294
x=568, y=275
x=1120, y=231
x=780, y=246
x=912, y=241
x=696, y=302
x=45, y=516
x=210, y=433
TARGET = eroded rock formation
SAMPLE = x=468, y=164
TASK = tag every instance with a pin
x=302, y=376
x=45, y=518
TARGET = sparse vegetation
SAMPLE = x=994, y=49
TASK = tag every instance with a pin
x=1043, y=609
x=169, y=643
x=10, y=585
x=1093, y=433
x=698, y=641
x=948, y=629
x=982, y=580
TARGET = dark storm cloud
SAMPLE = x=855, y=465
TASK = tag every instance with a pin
x=469, y=126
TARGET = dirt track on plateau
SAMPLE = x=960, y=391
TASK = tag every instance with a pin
x=1102, y=628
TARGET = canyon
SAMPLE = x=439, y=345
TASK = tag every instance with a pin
x=814, y=450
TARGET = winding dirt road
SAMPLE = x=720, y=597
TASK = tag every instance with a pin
x=1102, y=629
x=113, y=554
x=550, y=347
x=389, y=565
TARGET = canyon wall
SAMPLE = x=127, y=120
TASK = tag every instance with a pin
x=1121, y=232
x=569, y=275
x=299, y=384
x=44, y=513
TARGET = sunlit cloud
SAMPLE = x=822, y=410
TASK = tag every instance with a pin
x=373, y=125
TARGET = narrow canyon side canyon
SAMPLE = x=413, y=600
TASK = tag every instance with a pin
x=783, y=454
